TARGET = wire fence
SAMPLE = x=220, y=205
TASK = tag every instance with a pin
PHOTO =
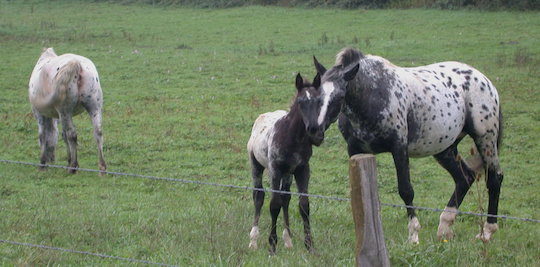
x=84, y=253
x=264, y=189
x=215, y=185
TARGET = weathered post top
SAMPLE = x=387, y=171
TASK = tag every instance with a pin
x=370, y=246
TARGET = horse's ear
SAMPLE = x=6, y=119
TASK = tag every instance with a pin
x=299, y=82
x=320, y=68
x=350, y=74
x=317, y=80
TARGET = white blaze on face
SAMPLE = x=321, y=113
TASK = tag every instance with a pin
x=308, y=95
x=328, y=89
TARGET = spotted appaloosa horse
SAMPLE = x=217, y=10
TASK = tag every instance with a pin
x=60, y=88
x=282, y=143
x=417, y=112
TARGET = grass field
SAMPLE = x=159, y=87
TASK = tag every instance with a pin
x=182, y=88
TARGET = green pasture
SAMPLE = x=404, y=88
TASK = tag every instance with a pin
x=182, y=88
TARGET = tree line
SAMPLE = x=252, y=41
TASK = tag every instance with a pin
x=351, y=4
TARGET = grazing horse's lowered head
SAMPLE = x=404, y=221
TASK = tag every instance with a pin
x=61, y=87
x=282, y=143
x=417, y=112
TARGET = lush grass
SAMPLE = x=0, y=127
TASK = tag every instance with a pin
x=182, y=88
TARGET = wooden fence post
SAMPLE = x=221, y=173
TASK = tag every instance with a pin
x=370, y=245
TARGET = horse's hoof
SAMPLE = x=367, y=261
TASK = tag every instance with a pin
x=287, y=239
x=42, y=168
x=414, y=227
x=487, y=231
x=445, y=233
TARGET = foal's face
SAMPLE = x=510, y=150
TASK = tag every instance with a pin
x=332, y=92
x=309, y=99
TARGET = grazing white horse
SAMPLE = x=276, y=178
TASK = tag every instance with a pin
x=60, y=88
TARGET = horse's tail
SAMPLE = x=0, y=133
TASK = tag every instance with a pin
x=500, y=133
x=67, y=79
x=475, y=162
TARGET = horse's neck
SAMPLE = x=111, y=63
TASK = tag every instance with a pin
x=294, y=125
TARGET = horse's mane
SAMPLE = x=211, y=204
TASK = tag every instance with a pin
x=348, y=56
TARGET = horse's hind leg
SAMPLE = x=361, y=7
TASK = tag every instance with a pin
x=302, y=182
x=463, y=177
x=406, y=192
x=487, y=147
x=48, y=137
x=70, y=137
x=95, y=115
x=258, y=199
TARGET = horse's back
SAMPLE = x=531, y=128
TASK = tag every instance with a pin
x=261, y=135
x=43, y=92
x=449, y=97
x=430, y=107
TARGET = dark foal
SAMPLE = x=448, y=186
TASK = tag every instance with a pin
x=282, y=143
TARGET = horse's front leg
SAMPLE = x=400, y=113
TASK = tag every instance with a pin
x=401, y=161
x=275, y=204
x=301, y=176
x=286, y=198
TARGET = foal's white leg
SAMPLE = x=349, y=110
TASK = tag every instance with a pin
x=95, y=115
x=414, y=228
x=258, y=200
x=447, y=218
x=287, y=238
x=253, y=236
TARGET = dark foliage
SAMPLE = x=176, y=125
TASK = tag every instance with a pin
x=350, y=4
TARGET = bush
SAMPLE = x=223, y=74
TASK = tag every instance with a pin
x=351, y=4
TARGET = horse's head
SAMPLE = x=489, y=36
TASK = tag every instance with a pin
x=309, y=99
x=332, y=91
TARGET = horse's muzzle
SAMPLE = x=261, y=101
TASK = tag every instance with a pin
x=317, y=139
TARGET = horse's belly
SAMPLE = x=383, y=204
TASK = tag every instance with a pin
x=437, y=136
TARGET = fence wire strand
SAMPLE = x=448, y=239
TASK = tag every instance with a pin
x=84, y=253
x=265, y=190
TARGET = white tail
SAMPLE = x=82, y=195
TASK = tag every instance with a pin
x=67, y=74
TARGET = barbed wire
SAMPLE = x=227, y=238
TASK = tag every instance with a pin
x=266, y=190
x=84, y=253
